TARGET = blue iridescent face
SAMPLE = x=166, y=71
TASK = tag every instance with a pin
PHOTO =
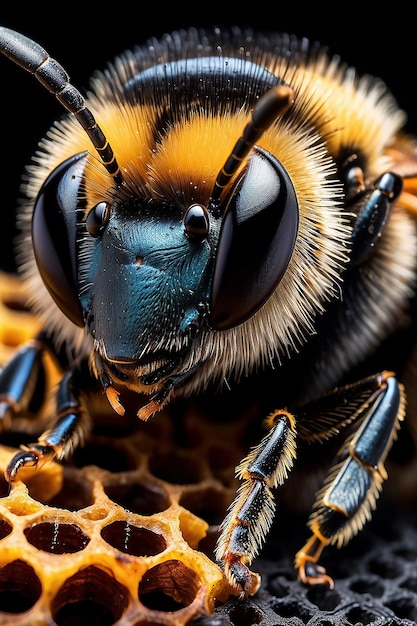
x=148, y=283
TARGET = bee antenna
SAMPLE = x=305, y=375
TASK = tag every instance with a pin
x=272, y=104
x=33, y=58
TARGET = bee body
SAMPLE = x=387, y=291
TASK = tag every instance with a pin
x=226, y=206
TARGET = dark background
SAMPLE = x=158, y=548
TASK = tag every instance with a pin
x=84, y=37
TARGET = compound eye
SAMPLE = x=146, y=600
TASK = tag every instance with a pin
x=54, y=234
x=256, y=241
x=97, y=218
x=196, y=222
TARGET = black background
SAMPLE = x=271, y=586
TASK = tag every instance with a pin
x=84, y=36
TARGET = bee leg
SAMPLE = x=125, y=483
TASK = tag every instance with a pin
x=373, y=210
x=352, y=487
x=251, y=513
x=70, y=428
x=22, y=383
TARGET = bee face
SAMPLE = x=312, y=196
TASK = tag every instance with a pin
x=182, y=270
x=206, y=229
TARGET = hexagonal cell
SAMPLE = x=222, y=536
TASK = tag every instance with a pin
x=176, y=467
x=208, y=502
x=104, y=454
x=385, y=566
x=76, y=492
x=56, y=537
x=324, y=598
x=134, y=540
x=20, y=587
x=405, y=606
x=367, y=584
x=291, y=607
x=279, y=585
x=245, y=614
x=91, y=596
x=168, y=586
x=362, y=615
x=143, y=498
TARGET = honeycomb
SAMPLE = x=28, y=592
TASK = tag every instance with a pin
x=375, y=577
x=123, y=532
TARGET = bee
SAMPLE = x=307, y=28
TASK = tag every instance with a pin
x=225, y=211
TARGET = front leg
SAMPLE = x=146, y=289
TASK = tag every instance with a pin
x=22, y=383
x=250, y=515
x=350, y=492
x=70, y=428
